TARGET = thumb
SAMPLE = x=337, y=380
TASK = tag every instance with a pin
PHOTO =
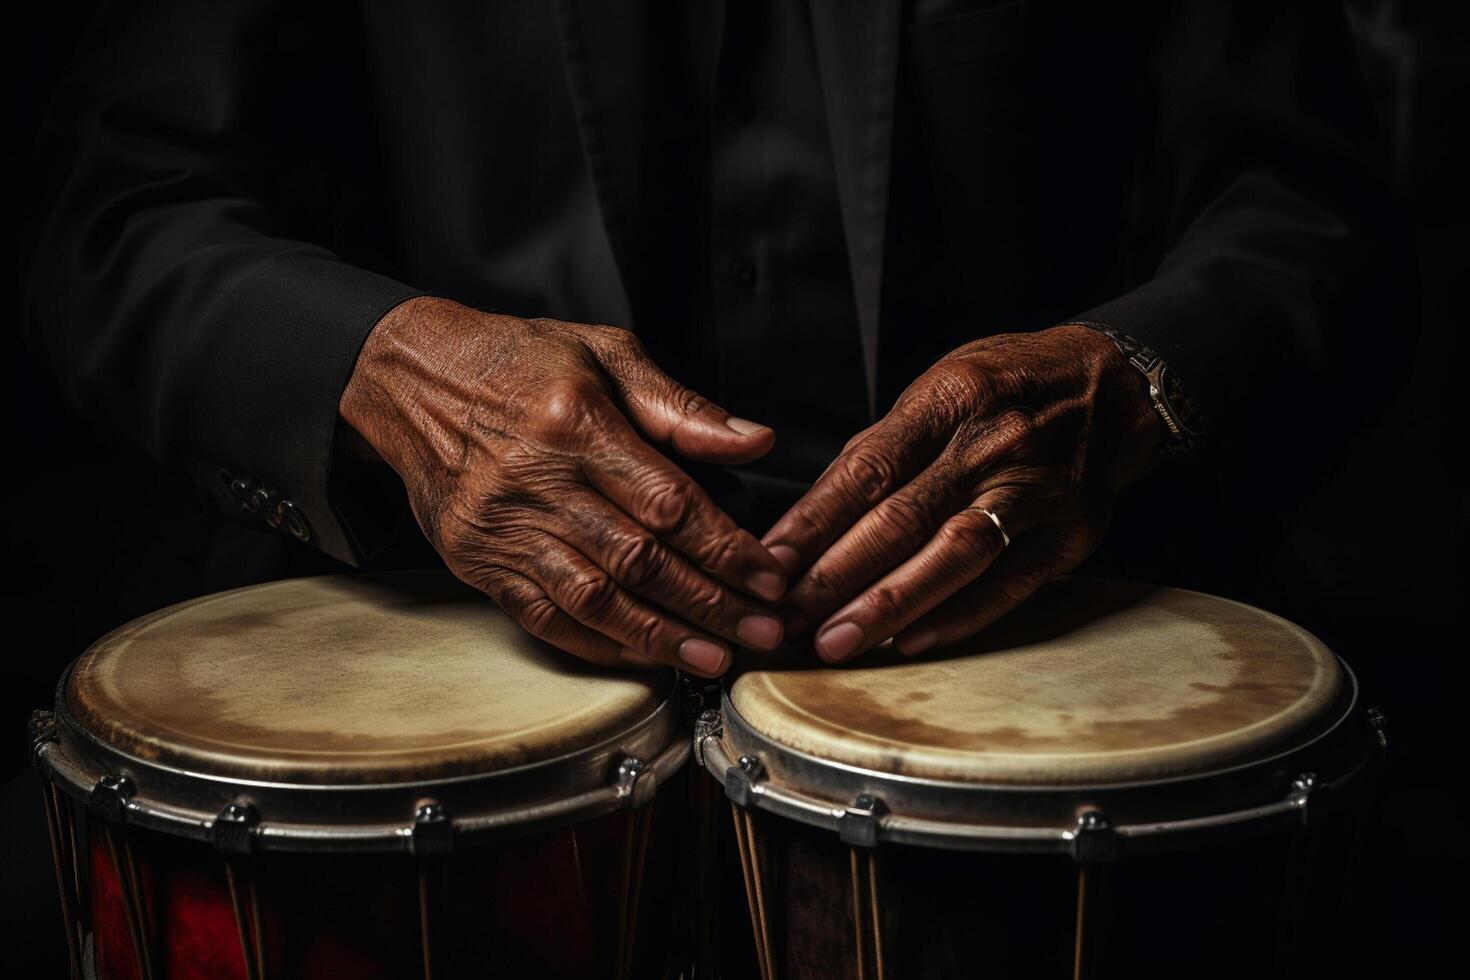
x=667, y=412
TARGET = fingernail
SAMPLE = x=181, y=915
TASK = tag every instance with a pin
x=787, y=556
x=702, y=655
x=744, y=426
x=767, y=585
x=917, y=643
x=636, y=658
x=840, y=642
x=761, y=632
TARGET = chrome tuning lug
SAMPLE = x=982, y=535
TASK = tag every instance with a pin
x=1300, y=794
x=1094, y=839
x=636, y=782
x=741, y=780
x=110, y=796
x=234, y=828
x=41, y=728
x=432, y=833
x=861, y=823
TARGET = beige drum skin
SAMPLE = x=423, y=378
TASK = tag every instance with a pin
x=345, y=679
x=1092, y=681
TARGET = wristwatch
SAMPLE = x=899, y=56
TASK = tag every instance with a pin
x=1171, y=399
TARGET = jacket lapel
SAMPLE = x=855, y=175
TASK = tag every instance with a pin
x=857, y=44
x=602, y=44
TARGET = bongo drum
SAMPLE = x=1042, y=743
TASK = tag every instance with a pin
x=1115, y=780
x=357, y=776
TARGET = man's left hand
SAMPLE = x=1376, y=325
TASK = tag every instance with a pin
x=896, y=540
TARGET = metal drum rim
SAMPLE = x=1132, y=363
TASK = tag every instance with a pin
x=656, y=742
x=837, y=804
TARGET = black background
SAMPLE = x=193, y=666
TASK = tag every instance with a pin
x=95, y=534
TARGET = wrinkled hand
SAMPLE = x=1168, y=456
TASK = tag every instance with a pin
x=894, y=539
x=522, y=446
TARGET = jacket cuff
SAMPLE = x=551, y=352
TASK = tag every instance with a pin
x=308, y=316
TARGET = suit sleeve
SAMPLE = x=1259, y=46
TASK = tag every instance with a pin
x=179, y=300
x=1265, y=180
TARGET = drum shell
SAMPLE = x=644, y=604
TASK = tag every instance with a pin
x=544, y=905
x=1264, y=905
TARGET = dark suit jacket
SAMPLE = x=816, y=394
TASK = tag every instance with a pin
x=244, y=187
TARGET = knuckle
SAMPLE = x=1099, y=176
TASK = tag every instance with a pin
x=867, y=475
x=460, y=535
x=588, y=593
x=967, y=536
x=720, y=550
x=856, y=440
x=522, y=602
x=956, y=387
x=634, y=560
x=885, y=602
x=665, y=506
x=620, y=348
x=689, y=402
x=902, y=519
x=807, y=523
x=536, y=615
x=821, y=582
x=650, y=634
x=1017, y=588
x=708, y=603
x=563, y=411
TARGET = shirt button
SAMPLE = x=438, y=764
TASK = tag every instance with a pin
x=742, y=271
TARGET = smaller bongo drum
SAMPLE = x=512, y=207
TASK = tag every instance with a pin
x=1116, y=779
x=357, y=776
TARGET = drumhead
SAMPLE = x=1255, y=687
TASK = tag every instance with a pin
x=1090, y=682
x=347, y=680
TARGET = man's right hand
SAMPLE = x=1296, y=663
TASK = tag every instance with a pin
x=523, y=447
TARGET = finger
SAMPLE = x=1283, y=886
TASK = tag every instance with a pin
x=644, y=566
x=590, y=596
x=881, y=539
x=901, y=523
x=1028, y=564
x=958, y=553
x=529, y=606
x=867, y=471
x=667, y=412
x=663, y=498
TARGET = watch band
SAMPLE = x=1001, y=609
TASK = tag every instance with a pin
x=1169, y=396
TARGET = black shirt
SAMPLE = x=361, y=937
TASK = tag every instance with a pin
x=750, y=231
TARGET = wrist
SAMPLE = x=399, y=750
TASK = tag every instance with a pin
x=1178, y=421
x=393, y=361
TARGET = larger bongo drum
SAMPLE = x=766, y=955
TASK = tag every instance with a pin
x=1116, y=780
x=357, y=777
